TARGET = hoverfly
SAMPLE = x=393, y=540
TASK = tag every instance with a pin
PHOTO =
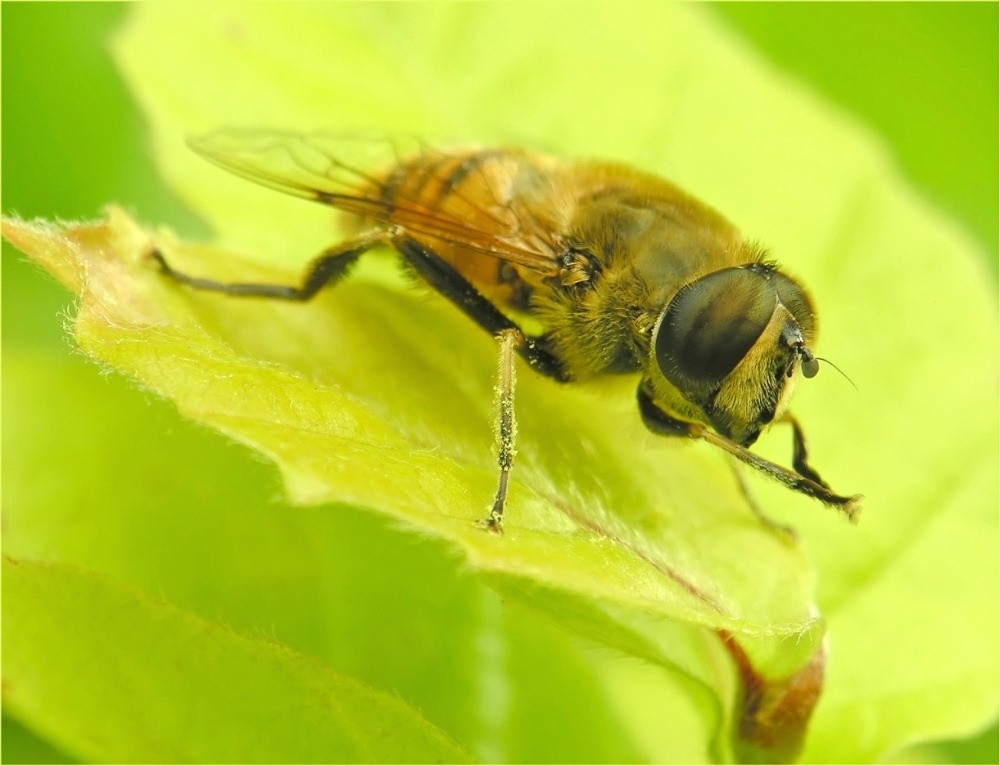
x=623, y=272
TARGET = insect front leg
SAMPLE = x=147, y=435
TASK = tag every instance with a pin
x=800, y=455
x=327, y=268
x=662, y=423
x=656, y=420
x=506, y=425
x=659, y=422
x=782, y=529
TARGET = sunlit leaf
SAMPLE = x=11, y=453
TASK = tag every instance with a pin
x=378, y=396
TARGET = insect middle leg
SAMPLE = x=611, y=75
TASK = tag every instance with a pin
x=444, y=278
x=329, y=267
x=506, y=427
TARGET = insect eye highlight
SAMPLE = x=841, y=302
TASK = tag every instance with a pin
x=709, y=327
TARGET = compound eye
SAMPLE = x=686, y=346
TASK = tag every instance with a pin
x=794, y=298
x=709, y=327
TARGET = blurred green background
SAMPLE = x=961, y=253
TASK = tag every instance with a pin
x=922, y=75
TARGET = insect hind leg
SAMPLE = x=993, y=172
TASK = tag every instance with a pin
x=328, y=268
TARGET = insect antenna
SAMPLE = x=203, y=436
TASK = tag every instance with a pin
x=844, y=374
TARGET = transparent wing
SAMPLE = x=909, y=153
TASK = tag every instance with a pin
x=353, y=174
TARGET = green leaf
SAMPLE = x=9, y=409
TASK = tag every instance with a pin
x=338, y=441
x=349, y=396
x=192, y=521
x=184, y=690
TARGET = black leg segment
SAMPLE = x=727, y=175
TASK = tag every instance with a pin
x=656, y=420
x=326, y=269
x=444, y=278
x=800, y=455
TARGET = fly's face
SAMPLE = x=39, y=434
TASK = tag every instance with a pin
x=732, y=344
